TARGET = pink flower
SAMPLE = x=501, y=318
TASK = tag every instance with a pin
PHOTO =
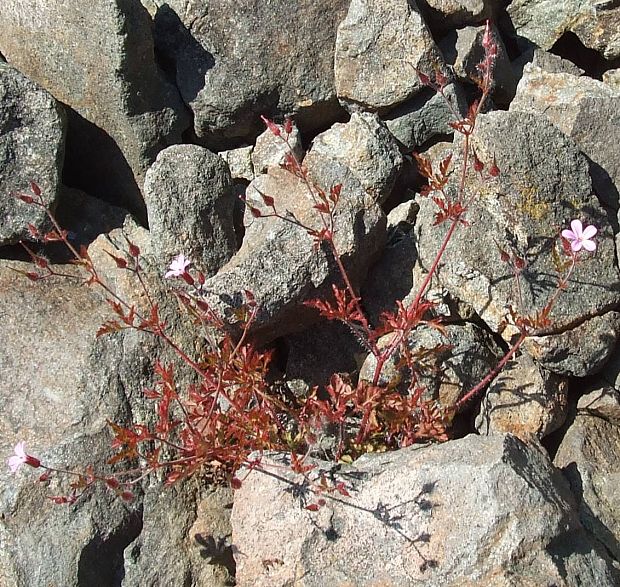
x=580, y=237
x=178, y=266
x=21, y=458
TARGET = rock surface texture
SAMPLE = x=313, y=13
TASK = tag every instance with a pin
x=164, y=126
x=477, y=511
x=378, y=47
x=32, y=142
x=190, y=202
x=233, y=61
x=537, y=190
x=122, y=110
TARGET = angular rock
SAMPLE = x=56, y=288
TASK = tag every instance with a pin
x=234, y=61
x=270, y=150
x=426, y=117
x=547, y=61
x=442, y=15
x=595, y=23
x=58, y=388
x=580, y=351
x=362, y=151
x=463, y=50
x=409, y=521
x=239, y=162
x=190, y=201
x=122, y=110
x=189, y=529
x=543, y=185
x=602, y=402
x=464, y=356
x=589, y=457
x=32, y=140
x=377, y=48
x=278, y=261
x=584, y=109
x=523, y=400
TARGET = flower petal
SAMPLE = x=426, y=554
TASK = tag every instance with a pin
x=589, y=232
x=589, y=245
x=15, y=463
x=20, y=449
x=568, y=234
x=576, y=245
x=577, y=227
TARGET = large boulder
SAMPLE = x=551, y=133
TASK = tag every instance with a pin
x=476, y=511
x=584, y=109
x=190, y=201
x=362, y=151
x=543, y=23
x=278, y=261
x=32, y=141
x=539, y=191
x=589, y=456
x=237, y=59
x=98, y=59
x=378, y=47
x=58, y=388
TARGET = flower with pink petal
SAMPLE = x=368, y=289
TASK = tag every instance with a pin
x=20, y=458
x=580, y=237
x=178, y=266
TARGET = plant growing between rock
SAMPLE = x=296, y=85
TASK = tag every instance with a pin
x=234, y=409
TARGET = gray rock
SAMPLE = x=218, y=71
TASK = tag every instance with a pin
x=593, y=21
x=278, y=261
x=377, y=48
x=580, y=351
x=538, y=192
x=602, y=402
x=361, y=151
x=612, y=78
x=476, y=511
x=426, y=116
x=524, y=400
x=599, y=29
x=589, y=456
x=235, y=60
x=465, y=355
x=442, y=15
x=187, y=527
x=463, y=50
x=270, y=150
x=239, y=162
x=584, y=109
x=122, y=111
x=549, y=62
x=391, y=278
x=59, y=386
x=190, y=201
x=32, y=140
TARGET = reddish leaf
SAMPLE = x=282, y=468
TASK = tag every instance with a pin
x=36, y=190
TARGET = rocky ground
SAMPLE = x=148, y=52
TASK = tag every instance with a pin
x=141, y=120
